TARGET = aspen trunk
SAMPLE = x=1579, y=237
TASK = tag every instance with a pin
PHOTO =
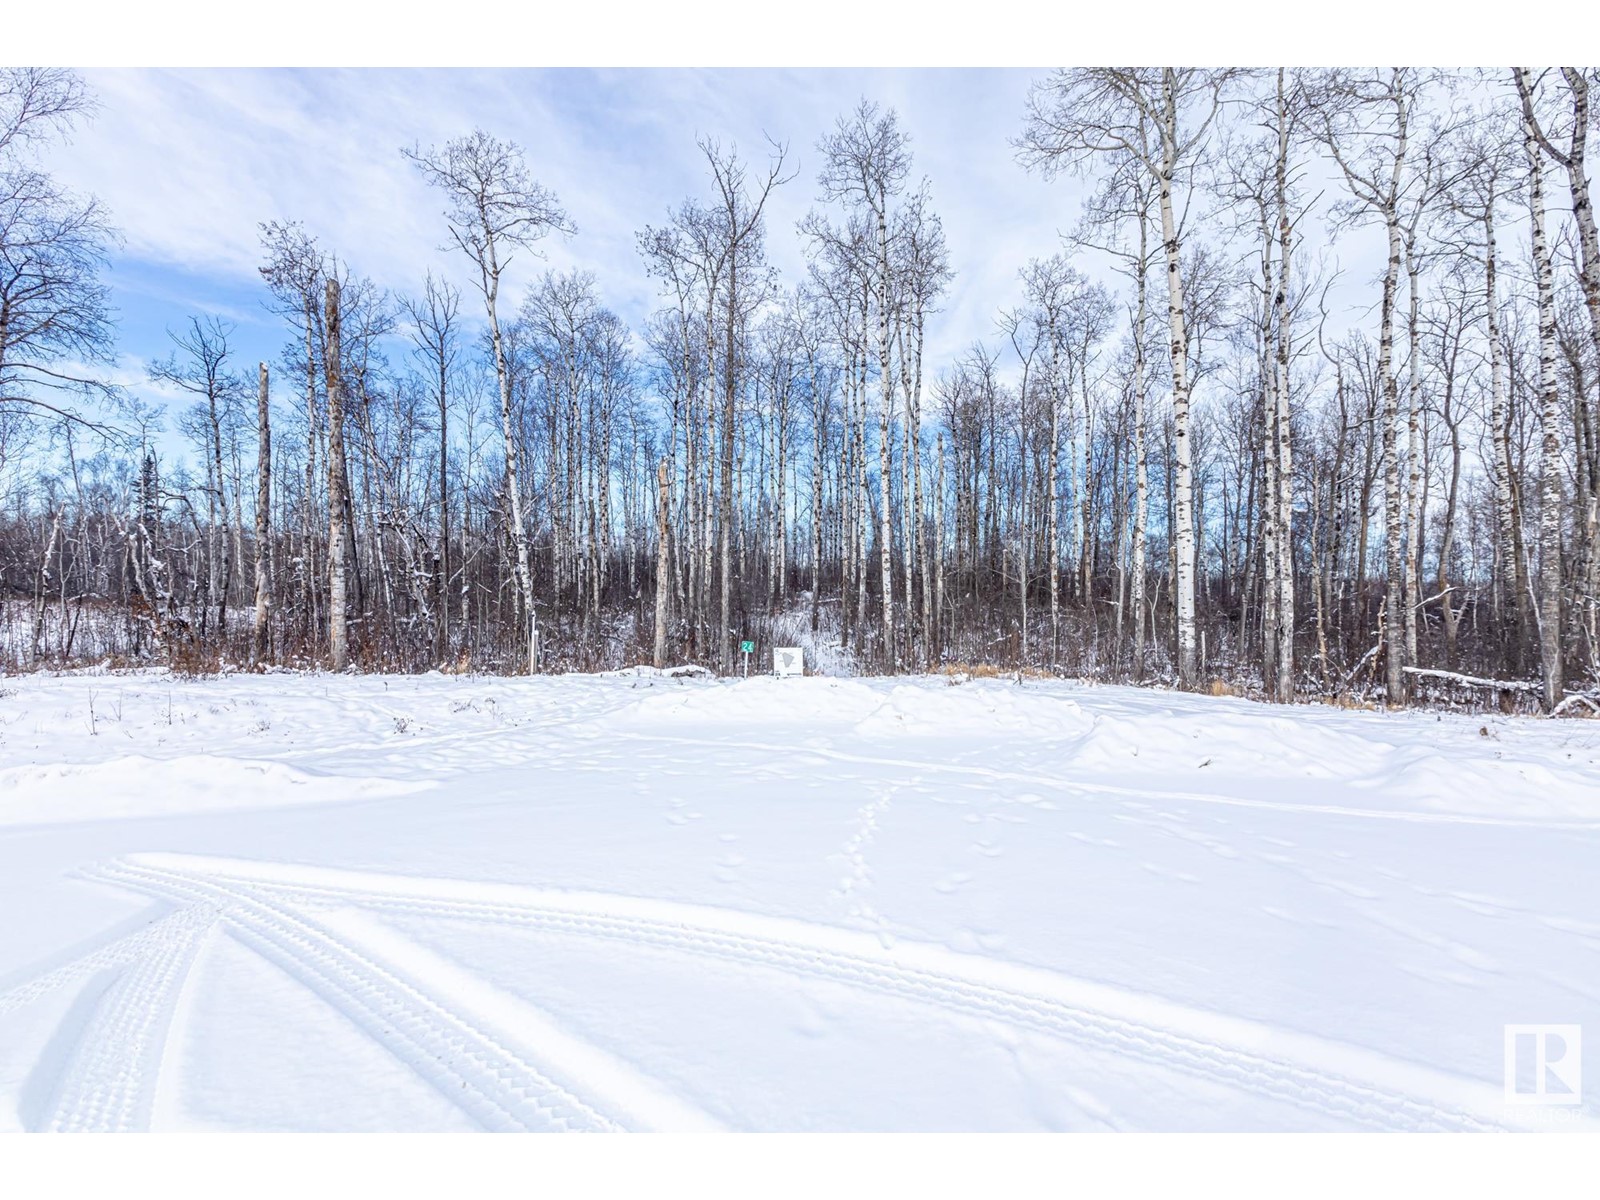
x=1514, y=582
x=309, y=591
x=337, y=551
x=1084, y=509
x=519, y=533
x=1414, y=506
x=1394, y=545
x=260, y=649
x=861, y=544
x=780, y=529
x=1270, y=533
x=1183, y=468
x=725, y=631
x=1052, y=517
x=938, y=551
x=1284, y=689
x=1575, y=162
x=885, y=446
x=916, y=488
x=1141, y=486
x=1550, y=446
x=907, y=512
x=443, y=649
x=818, y=478
x=1452, y=614
x=219, y=558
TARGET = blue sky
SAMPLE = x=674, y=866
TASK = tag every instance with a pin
x=190, y=162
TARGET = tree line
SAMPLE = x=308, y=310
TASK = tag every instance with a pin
x=1195, y=447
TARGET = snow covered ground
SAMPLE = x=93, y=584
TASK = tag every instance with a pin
x=637, y=902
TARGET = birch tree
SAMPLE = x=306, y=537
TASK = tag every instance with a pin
x=199, y=366
x=663, y=561
x=495, y=208
x=1364, y=119
x=764, y=433
x=1573, y=158
x=1161, y=118
x=434, y=320
x=261, y=644
x=338, y=529
x=1488, y=155
x=1549, y=414
x=293, y=273
x=56, y=332
x=1125, y=198
x=866, y=161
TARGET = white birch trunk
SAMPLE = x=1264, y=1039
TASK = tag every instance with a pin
x=1283, y=449
x=1141, y=486
x=1183, y=472
x=337, y=550
x=1413, y=456
x=885, y=446
x=1550, y=445
x=663, y=560
x=508, y=429
x=263, y=518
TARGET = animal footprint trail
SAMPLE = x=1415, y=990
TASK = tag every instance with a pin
x=854, y=885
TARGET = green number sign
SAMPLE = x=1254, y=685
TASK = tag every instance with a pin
x=747, y=647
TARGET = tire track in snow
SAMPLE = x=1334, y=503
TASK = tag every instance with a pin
x=117, y=953
x=473, y=1066
x=1347, y=1084
x=622, y=1097
x=466, y=1066
x=109, y=1085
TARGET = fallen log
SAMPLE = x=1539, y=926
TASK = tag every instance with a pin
x=1577, y=698
x=1503, y=685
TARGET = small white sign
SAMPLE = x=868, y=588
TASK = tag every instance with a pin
x=1544, y=1064
x=788, y=660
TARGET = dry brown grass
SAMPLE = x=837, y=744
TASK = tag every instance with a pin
x=120, y=662
x=190, y=661
x=973, y=670
x=1346, y=700
x=989, y=671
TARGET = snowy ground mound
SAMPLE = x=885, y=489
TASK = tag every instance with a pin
x=656, y=900
x=138, y=786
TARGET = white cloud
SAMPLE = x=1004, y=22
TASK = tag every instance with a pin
x=191, y=162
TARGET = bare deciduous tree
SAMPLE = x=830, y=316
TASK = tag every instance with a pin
x=495, y=208
x=1161, y=119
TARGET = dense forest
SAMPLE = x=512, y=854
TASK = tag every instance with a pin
x=1175, y=458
